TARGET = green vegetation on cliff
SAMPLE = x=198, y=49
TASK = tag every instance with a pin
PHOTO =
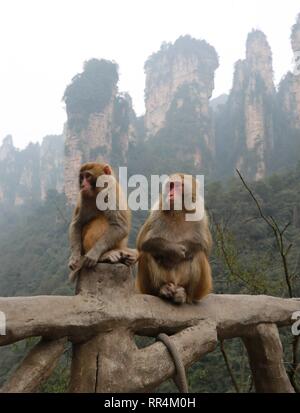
x=186, y=46
x=90, y=91
x=34, y=253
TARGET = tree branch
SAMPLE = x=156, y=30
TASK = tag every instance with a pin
x=229, y=369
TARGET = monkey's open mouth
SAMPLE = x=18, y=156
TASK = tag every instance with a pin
x=175, y=190
x=172, y=194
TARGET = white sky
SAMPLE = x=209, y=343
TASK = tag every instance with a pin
x=43, y=44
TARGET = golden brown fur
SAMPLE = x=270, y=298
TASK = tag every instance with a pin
x=96, y=235
x=190, y=277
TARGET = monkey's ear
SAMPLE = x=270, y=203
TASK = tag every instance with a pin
x=107, y=170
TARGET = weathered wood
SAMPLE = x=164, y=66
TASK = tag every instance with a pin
x=104, y=363
x=111, y=362
x=266, y=360
x=36, y=367
x=106, y=312
x=154, y=365
x=106, y=300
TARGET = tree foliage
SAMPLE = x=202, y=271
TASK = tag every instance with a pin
x=90, y=91
x=34, y=252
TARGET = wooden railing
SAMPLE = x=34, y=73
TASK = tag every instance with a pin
x=106, y=313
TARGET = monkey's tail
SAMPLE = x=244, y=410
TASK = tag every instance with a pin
x=180, y=377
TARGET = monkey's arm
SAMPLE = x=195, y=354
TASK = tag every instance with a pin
x=163, y=250
x=75, y=242
x=118, y=229
x=192, y=248
x=199, y=240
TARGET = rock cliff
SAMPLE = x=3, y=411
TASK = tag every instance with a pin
x=179, y=84
x=287, y=144
x=245, y=126
x=26, y=175
x=289, y=89
x=100, y=121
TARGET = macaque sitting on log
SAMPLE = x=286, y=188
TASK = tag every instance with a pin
x=98, y=235
x=173, y=251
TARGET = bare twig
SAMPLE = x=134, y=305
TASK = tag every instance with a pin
x=230, y=371
x=233, y=272
x=283, y=251
x=278, y=234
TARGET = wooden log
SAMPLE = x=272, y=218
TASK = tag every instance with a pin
x=266, y=360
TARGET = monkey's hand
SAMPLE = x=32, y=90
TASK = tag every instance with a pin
x=171, y=256
x=91, y=259
x=192, y=248
x=172, y=253
x=74, y=261
x=179, y=250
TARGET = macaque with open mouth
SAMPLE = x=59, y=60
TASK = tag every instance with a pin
x=173, y=251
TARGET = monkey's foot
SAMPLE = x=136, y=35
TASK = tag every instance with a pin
x=127, y=257
x=172, y=292
x=167, y=291
x=180, y=296
x=112, y=257
x=75, y=262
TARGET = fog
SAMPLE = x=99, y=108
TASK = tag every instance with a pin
x=44, y=44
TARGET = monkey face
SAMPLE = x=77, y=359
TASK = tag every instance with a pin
x=87, y=183
x=179, y=193
x=173, y=193
x=88, y=175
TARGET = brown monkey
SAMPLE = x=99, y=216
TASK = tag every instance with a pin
x=173, y=261
x=98, y=235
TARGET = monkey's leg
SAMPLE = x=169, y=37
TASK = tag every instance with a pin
x=201, y=279
x=92, y=232
x=145, y=278
x=75, y=272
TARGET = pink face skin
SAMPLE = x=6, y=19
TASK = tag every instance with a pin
x=86, y=180
x=175, y=190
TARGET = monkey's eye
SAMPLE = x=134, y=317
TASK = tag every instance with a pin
x=87, y=176
x=172, y=186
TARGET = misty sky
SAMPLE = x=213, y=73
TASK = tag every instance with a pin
x=43, y=44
